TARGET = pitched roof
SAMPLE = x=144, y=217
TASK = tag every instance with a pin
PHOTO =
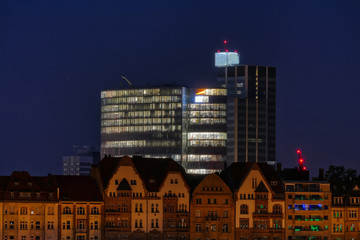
x=261, y=188
x=107, y=167
x=271, y=175
x=194, y=179
x=154, y=169
x=78, y=188
x=235, y=174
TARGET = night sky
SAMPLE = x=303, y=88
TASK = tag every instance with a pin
x=56, y=57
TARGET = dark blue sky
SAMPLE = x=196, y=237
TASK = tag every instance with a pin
x=56, y=57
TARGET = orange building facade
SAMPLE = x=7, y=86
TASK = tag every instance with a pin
x=139, y=198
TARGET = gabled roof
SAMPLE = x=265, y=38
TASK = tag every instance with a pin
x=78, y=188
x=154, y=169
x=214, y=178
x=261, y=188
x=107, y=167
x=194, y=179
x=235, y=174
x=124, y=185
x=271, y=175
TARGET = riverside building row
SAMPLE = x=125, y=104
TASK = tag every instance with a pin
x=139, y=198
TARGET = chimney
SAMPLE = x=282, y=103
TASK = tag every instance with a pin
x=278, y=167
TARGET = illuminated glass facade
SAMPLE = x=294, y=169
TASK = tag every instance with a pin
x=205, y=130
x=187, y=125
x=145, y=122
x=250, y=112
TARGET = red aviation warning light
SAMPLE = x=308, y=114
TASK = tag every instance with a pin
x=301, y=161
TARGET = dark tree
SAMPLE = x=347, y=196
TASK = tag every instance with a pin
x=342, y=180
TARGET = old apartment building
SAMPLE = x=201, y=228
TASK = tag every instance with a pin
x=137, y=198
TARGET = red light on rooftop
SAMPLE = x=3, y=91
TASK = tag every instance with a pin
x=226, y=50
x=298, y=151
x=304, y=168
x=301, y=160
x=235, y=51
x=218, y=50
x=225, y=42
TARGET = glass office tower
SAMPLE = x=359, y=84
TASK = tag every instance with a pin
x=146, y=122
x=187, y=125
x=250, y=112
x=206, y=130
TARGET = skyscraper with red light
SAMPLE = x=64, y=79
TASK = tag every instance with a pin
x=250, y=109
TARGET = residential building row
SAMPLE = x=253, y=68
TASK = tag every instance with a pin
x=138, y=198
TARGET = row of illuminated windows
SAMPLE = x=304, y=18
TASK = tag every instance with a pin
x=141, y=143
x=138, y=114
x=203, y=158
x=136, y=100
x=207, y=143
x=206, y=135
x=139, y=100
x=210, y=121
x=132, y=129
x=201, y=171
x=207, y=107
x=207, y=114
x=136, y=107
x=211, y=91
x=141, y=92
x=135, y=111
x=137, y=121
x=308, y=207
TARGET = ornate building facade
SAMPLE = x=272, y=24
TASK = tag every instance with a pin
x=137, y=198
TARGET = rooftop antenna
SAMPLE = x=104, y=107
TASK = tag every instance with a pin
x=225, y=42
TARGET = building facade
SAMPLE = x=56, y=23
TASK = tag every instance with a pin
x=259, y=201
x=187, y=125
x=140, y=198
x=49, y=208
x=251, y=105
x=308, y=214
x=212, y=205
x=144, y=198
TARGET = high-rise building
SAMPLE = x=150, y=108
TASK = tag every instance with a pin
x=79, y=163
x=250, y=110
x=200, y=128
x=187, y=125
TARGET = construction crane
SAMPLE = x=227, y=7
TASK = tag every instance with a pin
x=302, y=168
x=128, y=82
